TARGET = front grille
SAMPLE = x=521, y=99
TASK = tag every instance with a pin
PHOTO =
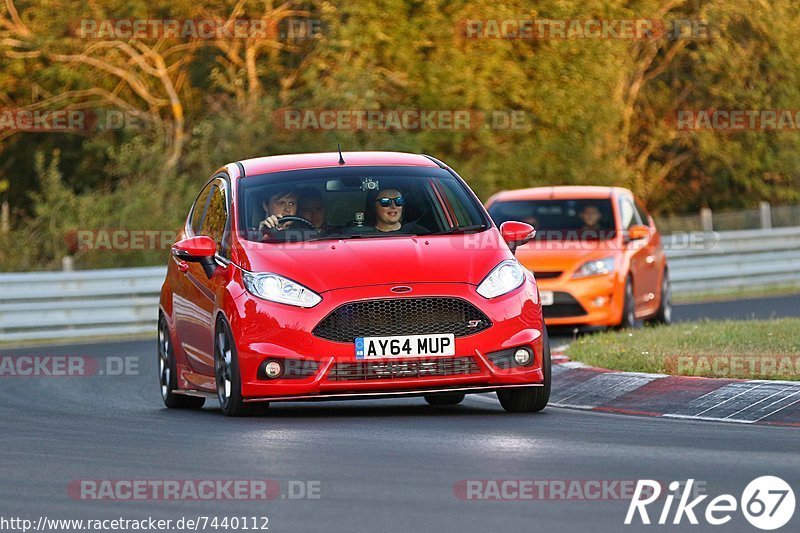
x=564, y=305
x=368, y=370
x=539, y=274
x=402, y=316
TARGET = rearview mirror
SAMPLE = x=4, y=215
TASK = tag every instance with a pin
x=516, y=233
x=638, y=232
x=197, y=250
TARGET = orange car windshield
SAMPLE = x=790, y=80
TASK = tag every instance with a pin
x=560, y=219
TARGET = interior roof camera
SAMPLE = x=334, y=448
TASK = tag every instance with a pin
x=369, y=184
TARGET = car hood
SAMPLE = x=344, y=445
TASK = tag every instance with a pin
x=337, y=264
x=560, y=256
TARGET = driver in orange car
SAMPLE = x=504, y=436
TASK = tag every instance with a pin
x=591, y=217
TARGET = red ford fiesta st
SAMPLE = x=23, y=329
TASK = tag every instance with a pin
x=339, y=276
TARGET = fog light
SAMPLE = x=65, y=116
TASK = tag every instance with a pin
x=273, y=369
x=522, y=357
x=600, y=301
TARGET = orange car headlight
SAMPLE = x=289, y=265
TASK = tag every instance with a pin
x=595, y=267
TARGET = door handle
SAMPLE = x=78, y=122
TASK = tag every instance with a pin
x=183, y=266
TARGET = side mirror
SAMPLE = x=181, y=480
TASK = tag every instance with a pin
x=516, y=233
x=636, y=233
x=197, y=250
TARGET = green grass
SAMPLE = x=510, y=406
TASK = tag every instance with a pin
x=737, y=294
x=57, y=341
x=753, y=349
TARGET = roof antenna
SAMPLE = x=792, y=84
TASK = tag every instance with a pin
x=341, y=159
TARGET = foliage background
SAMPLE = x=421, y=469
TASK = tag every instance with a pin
x=598, y=110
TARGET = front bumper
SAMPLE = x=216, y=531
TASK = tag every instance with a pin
x=269, y=331
x=591, y=301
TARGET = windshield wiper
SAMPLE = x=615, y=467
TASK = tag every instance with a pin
x=344, y=237
x=461, y=229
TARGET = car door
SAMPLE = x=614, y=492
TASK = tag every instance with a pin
x=653, y=259
x=637, y=250
x=195, y=304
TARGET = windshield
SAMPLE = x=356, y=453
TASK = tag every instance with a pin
x=560, y=219
x=339, y=203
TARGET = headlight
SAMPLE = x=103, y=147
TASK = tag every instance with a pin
x=505, y=277
x=279, y=289
x=595, y=267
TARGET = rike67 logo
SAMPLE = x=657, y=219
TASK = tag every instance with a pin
x=767, y=503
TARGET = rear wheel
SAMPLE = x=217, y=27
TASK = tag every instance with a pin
x=167, y=373
x=664, y=314
x=226, y=372
x=445, y=398
x=530, y=399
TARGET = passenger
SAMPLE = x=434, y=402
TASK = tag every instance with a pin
x=388, y=210
x=311, y=207
x=281, y=203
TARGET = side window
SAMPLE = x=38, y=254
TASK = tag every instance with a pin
x=627, y=213
x=216, y=218
x=642, y=213
x=199, y=209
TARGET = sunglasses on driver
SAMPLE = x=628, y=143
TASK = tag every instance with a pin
x=400, y=201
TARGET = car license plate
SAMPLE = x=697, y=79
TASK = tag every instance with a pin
x=546, y=297
x=405, y=346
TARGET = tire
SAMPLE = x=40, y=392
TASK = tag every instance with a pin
x=445, y=398
x=664, y=313
x=628, y=319
x=168, y=374
x=226, y=374
x=530, y=399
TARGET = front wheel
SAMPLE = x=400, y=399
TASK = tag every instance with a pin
x=167, y=373
x=530, y=399
x=664, y=314
x=226, y=373
x=628, y=307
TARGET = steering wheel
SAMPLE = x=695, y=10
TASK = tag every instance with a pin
x=292, y=218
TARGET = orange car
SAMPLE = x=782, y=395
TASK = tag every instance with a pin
x=597, y=255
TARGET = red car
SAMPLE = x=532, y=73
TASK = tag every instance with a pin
x=355, y=275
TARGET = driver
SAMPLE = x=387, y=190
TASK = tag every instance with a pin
x=281, y=203
x=591, y=216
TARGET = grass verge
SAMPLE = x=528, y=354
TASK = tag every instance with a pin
x=736, y=294
x=753, y=349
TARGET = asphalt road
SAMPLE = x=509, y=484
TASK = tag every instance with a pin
x=388, y=465
x=744, y=309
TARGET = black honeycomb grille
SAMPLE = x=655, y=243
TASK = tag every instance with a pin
x=402, y=316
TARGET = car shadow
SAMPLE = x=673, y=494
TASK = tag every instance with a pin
x=371, y=409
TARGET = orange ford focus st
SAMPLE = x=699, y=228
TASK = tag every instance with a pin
x=598, y=256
